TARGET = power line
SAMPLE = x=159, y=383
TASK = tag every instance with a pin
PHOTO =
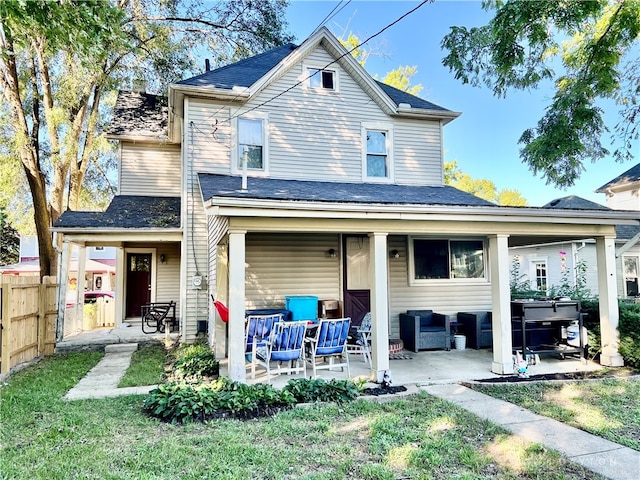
x=331, y=14
x=334, y=61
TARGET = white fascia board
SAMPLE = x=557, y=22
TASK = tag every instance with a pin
x=276, y=208
x=120, y=234
x=421, y=113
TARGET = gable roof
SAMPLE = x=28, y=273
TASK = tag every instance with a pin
x=630, y=176
x=127, y=211
x=139, y=115
x=214, y=185
x=573, y=202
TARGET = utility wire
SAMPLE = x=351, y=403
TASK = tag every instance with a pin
x=331, y=14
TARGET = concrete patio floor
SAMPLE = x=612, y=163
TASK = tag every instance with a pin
x=422, y=368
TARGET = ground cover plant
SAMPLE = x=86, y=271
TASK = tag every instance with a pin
x=46, y=437
x=607, y=407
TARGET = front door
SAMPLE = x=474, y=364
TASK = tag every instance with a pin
x=138, y=282
x=357, y=294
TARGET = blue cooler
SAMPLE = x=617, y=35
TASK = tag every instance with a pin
x=302, y=307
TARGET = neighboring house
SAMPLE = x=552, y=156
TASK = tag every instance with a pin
x=294, y=172
x=545, y=265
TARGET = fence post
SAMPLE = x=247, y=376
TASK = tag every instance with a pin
x=6, y=329
x=42, y=316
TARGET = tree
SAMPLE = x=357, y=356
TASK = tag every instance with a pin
x=519, y=48
x=9, y=241
x=481, y=187
x=59, y=59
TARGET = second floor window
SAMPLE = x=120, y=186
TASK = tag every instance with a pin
x=251, y=143
x=324, y=79
x=377, y=157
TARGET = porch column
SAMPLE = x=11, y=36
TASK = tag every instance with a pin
x=608, y=301
x=63, y=276
x=81, y=284
x=500, y=304
x=378, y=276
x=121, y=268
x=236, y=357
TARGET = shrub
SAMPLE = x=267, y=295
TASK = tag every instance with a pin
x=318, y=390
x=195, y=362
x=183, y=403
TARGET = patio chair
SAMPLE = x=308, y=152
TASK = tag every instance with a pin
x=477, y=327
x=285, y=346
x=157, y=316
x=424, y=329
x=360, y=339
x=328, y=345
x=257, y=331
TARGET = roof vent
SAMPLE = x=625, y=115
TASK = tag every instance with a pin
x=207, y=65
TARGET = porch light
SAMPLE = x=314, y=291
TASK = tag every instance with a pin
x=162, y=258
x=332, y=252
x=394, y=253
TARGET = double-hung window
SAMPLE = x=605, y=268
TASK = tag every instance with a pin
x=377, y=140
x=540, y=275
x=446, y=259
x=251, y=143
x=631, y=276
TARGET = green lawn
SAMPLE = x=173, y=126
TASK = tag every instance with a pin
x=608, y=407
x=147, y=366
x=419, y=437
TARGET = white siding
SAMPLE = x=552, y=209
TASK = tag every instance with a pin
x=315, y=135
x=149, y=169
x=279, y=265
x=168, y=278
x=626, y=200
x=442, y=297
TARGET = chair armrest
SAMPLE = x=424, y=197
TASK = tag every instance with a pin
x=442, y=320
x=410, y=331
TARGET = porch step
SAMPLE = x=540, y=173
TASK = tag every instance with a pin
x=121, y=348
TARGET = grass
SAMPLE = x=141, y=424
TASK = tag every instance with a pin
x=421, y=437
x=607, y=407
x=147, y=366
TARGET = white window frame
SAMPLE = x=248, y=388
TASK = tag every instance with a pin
x=307, y=73
x=236, y=166
x=379, y=127
x=413, y=281
x=624, y=273
x=533, y=273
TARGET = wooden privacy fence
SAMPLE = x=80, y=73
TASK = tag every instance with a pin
x=27, y=319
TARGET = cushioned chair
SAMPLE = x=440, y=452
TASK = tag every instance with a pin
x=285, y=346
x=329, y=345
x=257, y=331
x=477, y=327
x=423, y=329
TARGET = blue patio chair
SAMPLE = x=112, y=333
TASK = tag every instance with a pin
x=257, y=331
x=285, y=346
x=329, y=344
x=359, y=345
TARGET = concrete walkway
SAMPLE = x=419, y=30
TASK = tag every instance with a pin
x=609, y=459
x=102, y=380
x=595, y=453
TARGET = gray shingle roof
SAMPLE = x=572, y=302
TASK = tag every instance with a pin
x=631, y=175
x=139, y=114
x=398, y=96
x=127, y=211
x=626, y=232
x=573, y=202
x=243, y=73
x=213, y=185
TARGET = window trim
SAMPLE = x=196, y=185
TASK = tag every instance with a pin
x=235, y=161
x=533, y=272
x=379, y=127
x=624, y=276
x=323, y=68
x=413, y=281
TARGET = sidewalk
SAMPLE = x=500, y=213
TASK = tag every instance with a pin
x=602, y=456
x=597, y=454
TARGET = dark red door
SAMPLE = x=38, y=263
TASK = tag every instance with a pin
x=138, y=282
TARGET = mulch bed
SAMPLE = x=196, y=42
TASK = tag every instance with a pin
x=384, y=390
x=562, y=376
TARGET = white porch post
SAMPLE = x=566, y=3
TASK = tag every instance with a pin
x=237, y=255
x=608, y=301
x=121, y=268
x=81, y=284
x=63, y=277
x=378, y=276
x=500, y=304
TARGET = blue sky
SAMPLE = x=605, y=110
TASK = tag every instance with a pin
x=484, y=139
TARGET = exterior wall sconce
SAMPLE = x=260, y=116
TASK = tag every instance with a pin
x=332, y=252
x=162, y=258
x=394, y=253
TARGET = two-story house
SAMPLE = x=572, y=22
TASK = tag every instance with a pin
x=294, y=172
x=549, y=265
